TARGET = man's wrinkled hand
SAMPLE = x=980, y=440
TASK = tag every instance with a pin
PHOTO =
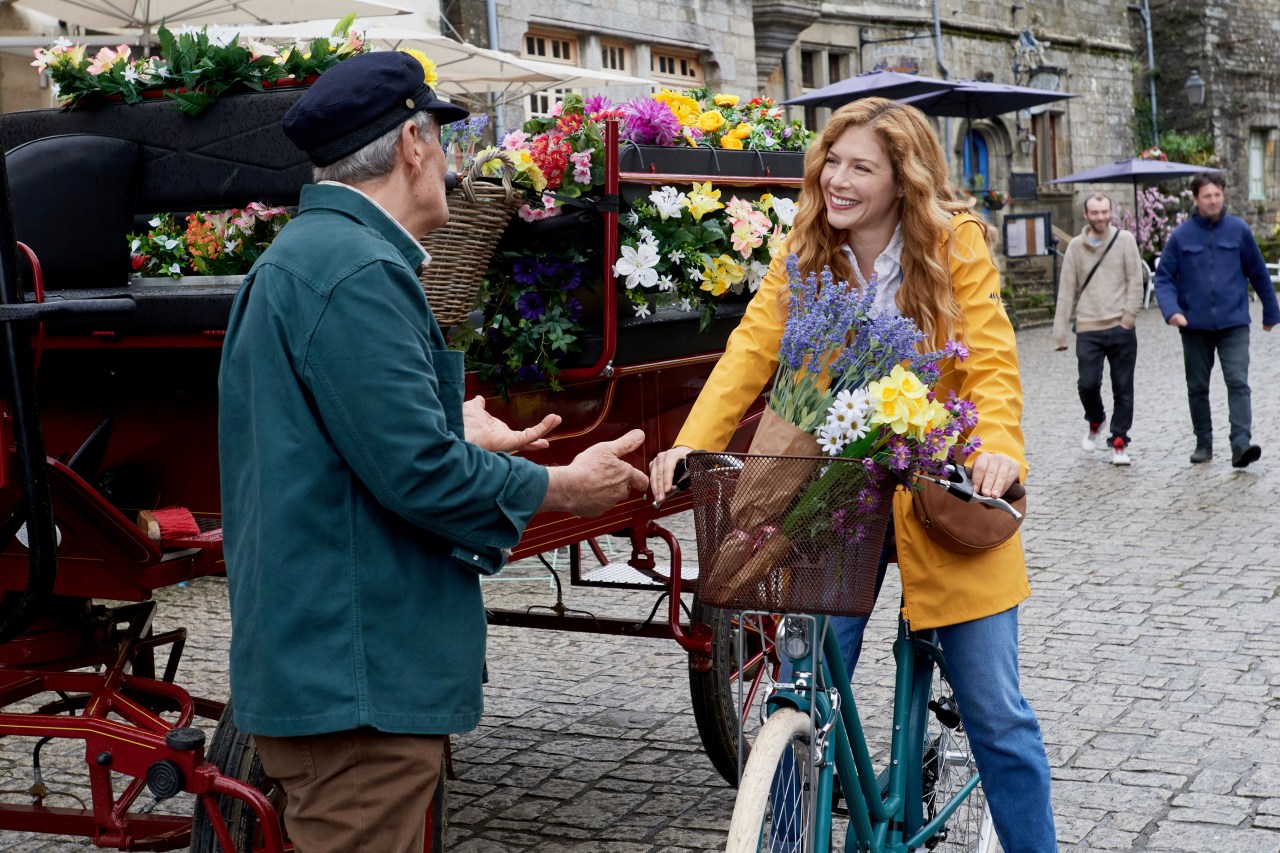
x=597, y=479
x=485, y=431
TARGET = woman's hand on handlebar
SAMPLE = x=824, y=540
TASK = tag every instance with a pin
x=662, y=472
x=993, y=474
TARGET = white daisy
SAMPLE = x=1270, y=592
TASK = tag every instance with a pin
x=831, y=444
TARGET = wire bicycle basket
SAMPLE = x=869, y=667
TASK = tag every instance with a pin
x=789, y=534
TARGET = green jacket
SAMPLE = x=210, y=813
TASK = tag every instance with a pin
x=355, y=516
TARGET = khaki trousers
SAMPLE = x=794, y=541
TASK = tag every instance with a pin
x=360, y=791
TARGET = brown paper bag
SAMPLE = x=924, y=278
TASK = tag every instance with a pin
x=747, y=571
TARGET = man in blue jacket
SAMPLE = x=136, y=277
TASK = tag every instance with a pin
x=1202, y=283
x=362, y=498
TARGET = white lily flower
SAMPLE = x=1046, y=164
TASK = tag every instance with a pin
x=642, y=310
x=638, y=266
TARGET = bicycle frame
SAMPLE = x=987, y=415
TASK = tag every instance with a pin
x=887, y=814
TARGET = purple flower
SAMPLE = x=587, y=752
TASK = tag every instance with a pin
x=899, y=454
x=574, y=309
x=530, y=305
x=867, y=501
x=956, y=349
x=650, y=122
x=525, y=272
x=530, y=373
x=598, y=104
x=971, y=446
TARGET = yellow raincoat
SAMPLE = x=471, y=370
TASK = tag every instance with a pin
x=941, y=588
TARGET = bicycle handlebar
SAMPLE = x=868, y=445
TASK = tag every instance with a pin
x=959, y=484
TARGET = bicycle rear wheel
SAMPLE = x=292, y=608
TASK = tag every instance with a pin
x=772, y=813
x=948, y=765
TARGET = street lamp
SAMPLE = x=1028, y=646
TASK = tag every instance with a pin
x=1195, y=88
x=1027, y=143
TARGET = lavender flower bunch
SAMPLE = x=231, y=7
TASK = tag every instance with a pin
x=860, y=380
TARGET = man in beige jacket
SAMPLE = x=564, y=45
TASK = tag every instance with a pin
x=1102, y=281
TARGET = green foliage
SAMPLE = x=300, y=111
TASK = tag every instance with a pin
x=1193, y=148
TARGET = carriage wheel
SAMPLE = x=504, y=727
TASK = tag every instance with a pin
x=714, y=693
x=235, y=755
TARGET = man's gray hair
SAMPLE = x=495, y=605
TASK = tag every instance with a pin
x=377, y=159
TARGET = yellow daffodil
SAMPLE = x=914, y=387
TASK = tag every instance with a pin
x=711, y=121
x=428, y=67
x=765, y=203
x=731, y=142
x=703, y=199
x=726, y=100
x=909, y=385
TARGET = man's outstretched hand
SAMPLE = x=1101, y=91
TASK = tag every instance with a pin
x=598, y=478
x=484, y=430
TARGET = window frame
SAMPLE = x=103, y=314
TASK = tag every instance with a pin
x=675, y=79
x=1257, y=157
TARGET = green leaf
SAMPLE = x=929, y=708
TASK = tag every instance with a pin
x=343, y=27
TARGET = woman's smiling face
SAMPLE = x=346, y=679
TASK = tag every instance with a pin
x=858, y=184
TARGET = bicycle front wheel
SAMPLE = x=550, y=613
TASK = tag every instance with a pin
x=774, y=808
x=948, y=766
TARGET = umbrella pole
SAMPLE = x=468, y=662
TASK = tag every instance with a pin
x=1137, y=215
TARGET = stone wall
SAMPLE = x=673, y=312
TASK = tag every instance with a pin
x=720, y=33
x=1233, y=46
x=19, y=82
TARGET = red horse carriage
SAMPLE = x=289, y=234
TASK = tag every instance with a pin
x=108, y=406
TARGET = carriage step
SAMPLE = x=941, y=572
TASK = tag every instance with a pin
x=626, y=577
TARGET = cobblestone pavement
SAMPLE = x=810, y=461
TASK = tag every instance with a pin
x=1150, y=650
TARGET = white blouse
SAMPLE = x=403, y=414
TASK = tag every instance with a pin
x=888, y=272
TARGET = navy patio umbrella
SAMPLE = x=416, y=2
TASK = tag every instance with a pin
x=972, y=99
x=1134, y=171
x=873, y=84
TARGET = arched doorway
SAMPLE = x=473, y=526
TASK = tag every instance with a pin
x=977, y=166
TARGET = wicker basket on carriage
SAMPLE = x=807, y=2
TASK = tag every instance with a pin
x=789, y=534
x=461, y=250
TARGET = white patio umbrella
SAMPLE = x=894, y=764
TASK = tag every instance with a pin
x=467, y=72
x=147, y=15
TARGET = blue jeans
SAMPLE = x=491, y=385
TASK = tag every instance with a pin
x=1232, y=346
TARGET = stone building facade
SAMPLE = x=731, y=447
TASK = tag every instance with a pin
x=1233, y=47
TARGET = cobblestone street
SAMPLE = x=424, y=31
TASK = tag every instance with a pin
x=1150, y=651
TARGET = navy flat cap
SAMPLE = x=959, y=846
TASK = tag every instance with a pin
x=360, y=99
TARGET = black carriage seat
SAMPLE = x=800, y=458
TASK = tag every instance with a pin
x=102, y=553
x=61, y=184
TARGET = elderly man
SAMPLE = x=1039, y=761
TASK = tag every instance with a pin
x=362, y=498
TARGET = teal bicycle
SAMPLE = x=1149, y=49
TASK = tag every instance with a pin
x=778, y=560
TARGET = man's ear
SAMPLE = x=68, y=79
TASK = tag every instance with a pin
x=409, y=138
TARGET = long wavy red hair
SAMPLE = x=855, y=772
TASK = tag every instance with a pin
x=919, y=169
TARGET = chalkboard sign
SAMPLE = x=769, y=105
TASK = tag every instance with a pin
x=1024, y=186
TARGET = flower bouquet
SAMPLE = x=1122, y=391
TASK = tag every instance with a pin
x=803, y=534
x=225, y=243
x=696, y=249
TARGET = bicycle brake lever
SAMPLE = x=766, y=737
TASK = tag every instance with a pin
x=960, y=485
x=680, y=480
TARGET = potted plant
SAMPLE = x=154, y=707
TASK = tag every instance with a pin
x=994, y=199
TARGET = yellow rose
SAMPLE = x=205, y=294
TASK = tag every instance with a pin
x=731, y=142
x=742, y=131
x=711, y=121
x=726, y=100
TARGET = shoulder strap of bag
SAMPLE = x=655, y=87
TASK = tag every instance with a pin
x=1089, y=277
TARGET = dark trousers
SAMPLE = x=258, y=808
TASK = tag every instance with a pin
x=1118, y=346
x=1232, y=346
